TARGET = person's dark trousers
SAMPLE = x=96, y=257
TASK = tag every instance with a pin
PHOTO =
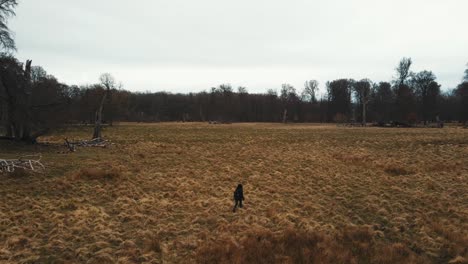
x=238, y=202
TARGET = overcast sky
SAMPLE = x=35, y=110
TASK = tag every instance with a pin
x=189, y=46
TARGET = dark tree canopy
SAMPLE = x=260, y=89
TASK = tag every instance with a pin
x=462, y=95
x=339, y=99
x=381, y=104
x=30, y=109
x=405, y=109
x=362, y=91
x=288, y=94
x=427, y=91
x=404, y=104
x=32, y=102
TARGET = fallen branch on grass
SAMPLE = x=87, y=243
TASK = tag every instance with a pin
x=23, y=163
x=97, y=142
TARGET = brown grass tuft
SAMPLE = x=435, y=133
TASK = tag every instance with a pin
x=397, y=170
x=350, y=245
x=17, y=242
x=19, y=173
x=97, y=174
x=458, y=260
x=101, y=258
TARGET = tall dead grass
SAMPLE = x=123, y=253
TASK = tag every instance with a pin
x=313, y=194
x=97, y=174
x=350, y=245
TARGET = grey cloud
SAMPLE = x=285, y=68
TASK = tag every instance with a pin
x=77, y=40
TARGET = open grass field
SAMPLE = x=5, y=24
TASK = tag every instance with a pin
x=314, y=194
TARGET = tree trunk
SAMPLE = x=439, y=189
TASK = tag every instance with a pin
x=9, y=127
x=285, y=115
x=26, y=123
x=364, y=121
x=9, y=109
x=98, y=120
x=18, y=107
x=202, y=117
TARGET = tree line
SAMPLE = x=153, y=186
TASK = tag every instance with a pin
x=32, y=102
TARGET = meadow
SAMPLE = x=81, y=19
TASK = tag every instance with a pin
x=162, y=193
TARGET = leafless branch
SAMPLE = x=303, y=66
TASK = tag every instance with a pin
x=23, y=163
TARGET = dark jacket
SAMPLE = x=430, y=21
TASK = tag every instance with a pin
x=239, y=193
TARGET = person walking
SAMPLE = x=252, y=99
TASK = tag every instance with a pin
x=238, y=197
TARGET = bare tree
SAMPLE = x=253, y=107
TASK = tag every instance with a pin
x=404, y=94
x=108, y=82
x=403, y=71
x=6, y=10
x=362, y=90
x=427, y=92
x=37, y=73
x=288, y=94
x=242, y=90
x=310, y=90
x=272, y=93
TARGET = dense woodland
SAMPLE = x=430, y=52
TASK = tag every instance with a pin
x=32, y=102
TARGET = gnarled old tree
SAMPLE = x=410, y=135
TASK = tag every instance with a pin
x=108, y=83
x=29, y=109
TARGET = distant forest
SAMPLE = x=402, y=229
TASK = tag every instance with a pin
x=32, y=102
x=410, y=98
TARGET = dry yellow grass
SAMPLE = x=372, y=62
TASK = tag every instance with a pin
x=163, y=193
